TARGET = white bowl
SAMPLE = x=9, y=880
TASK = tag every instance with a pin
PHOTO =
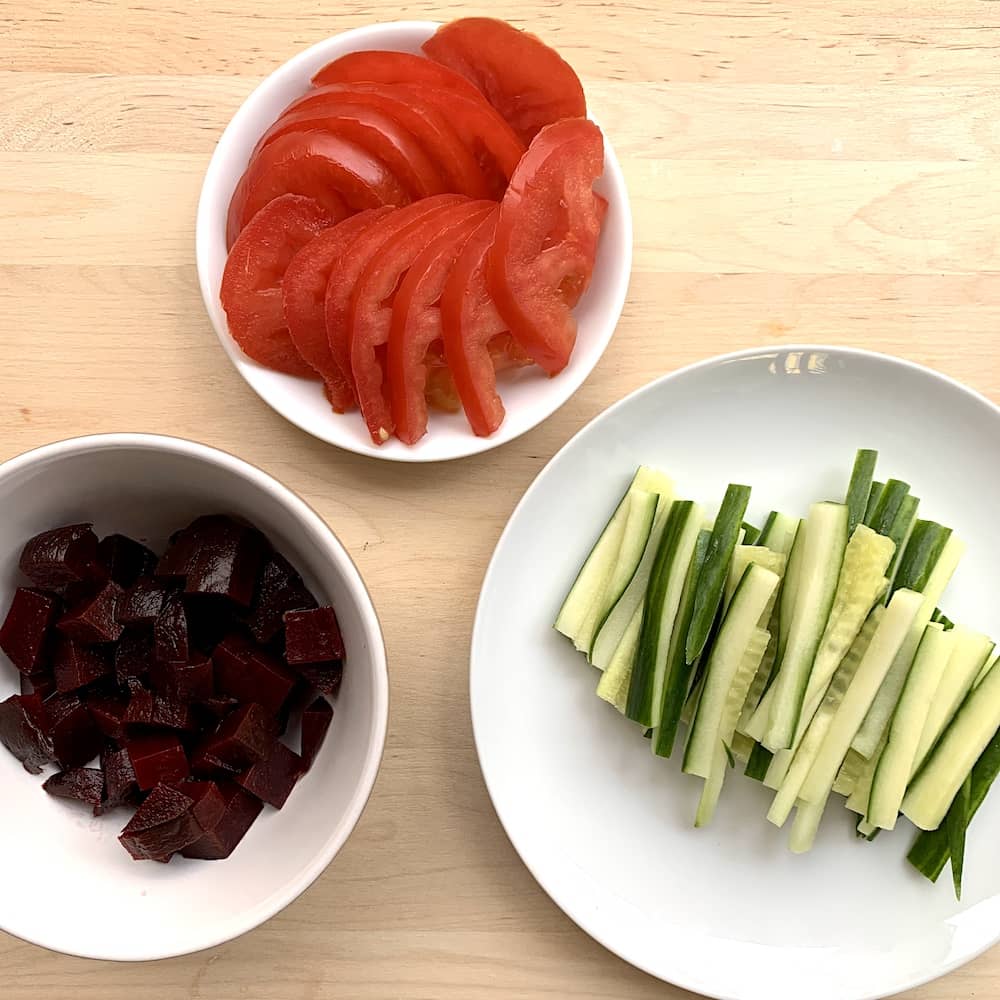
x=529, y=396
x=68, y=884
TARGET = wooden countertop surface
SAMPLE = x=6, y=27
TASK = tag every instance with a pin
x=818, y=171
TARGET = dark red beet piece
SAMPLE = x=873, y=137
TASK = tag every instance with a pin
x=143, y=601
x=173, y=564
x=325, y=677
x=170, y=632
x=42, y=684
x=227, y=560
x=84, y=784
x=120, y=786
x=108, y=715
x=26, y=627
x=133, y=655
x=94, y=620
x=280, y=590
x=216, y=708
x=162, y=825
x=316, y=721
x=56, y=558
x=75, y=736
x=76, y=666
x=210, y=619
x=251, y=674
x=24, y=731
x=312, y=636
x=218, y=842
x=168, y=713
x=208, y=805
x=140, y=704
x=124, y=560
x=156, y=759
x=273, y=778
x=244, y=738
x=184, y=682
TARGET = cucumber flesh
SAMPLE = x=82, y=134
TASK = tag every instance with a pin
x=987, y=667
x=614, y=683
x=857, y=801
x=743, y=556
x=805, y=826
x=850, y=771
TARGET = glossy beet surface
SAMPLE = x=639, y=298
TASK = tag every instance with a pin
x=162, y=825
x=239, y=812
x=273, y=778
x=23, y=731
x=83, y=784
x=93, y=619
x=25, y=629
x=62, y=556
x=312, y=636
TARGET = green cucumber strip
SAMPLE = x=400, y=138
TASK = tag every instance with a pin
x=935, y=582
x=613, y=686
x=711, y=790
x=937, y=782
x=825, y=542
x=739, y=629
x=666, y=585
x=923, y=552
x=750, y=533
x=874, y=496
x=896, y=762
x=940, y=616
x=857, y=801
x=901, y=530
x=888, y=506
x=743, y=556
x=742, y=747
x=778, y=532
x=866, y=830
x=859, y=487
x=758, y=763
x=956, y=823
x=713, y=574
x=805, y=826
x=850, y=771
x=760, y=682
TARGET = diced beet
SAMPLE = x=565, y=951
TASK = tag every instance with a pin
x=185, y=682
x=251, y=674
x=208, y=804
x=143, y=601
x=94, y=620
x=206, y=765
x=157, y=758
x=244, y=738
x=140, y=704
x=42, y=684
x=120, y=786
x=64, y=555
x=24, y=731
x=170, y=632
x=218, y=842
x=227, y=560
x=312, y=636
x=84, y=784
x=124, y=560
x=133, y=655
x=162, y=825
x=173, y=564
x=75, y=736
x=169, y=713
x=216, y=708
x=316, y=721
x=273, y=778
x=280, y=590
x=325, y=677
x=108, y=715
x=210, y=619
x=25, y=629
x=76, y=666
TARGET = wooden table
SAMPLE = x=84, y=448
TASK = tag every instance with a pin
x=816, y=171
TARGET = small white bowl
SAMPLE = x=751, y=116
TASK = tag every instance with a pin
x=68, y=884
x=529, y=396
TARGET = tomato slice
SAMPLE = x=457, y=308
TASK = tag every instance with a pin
x=371, y=308
x=332, y=170
x=415, y=364
x=343, y=278
x=252, y=279
x=546, y=239
x=303, y=295
x=528, y=82
x=380, y=66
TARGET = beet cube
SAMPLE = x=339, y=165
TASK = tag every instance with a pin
x=273, y=778
x=325, y=677
x=120, y=786
x=208, y=805
x=251, y=674
x=75, y=736
x=124, y=560
x=76, y=665
x=316, y=721
x=227, y=560
x=84, y=784
x=143, y=601
x=64, y=555
x=170, y=632
x=157, y=758
x=244, y=738
x=108, y=715
x=24, y=631
x=168, y=713
x=42, y=684
x=140, y=704
x=94, y=619
x=216, y=708
x=24, y=731
x=185, y=682
x=218, y=842
x=173, y=564
x=280, y=590
x=313, y=636
x=162, y=825
x=133, y=656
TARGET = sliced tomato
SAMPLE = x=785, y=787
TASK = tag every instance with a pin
x=343, y=278
x=371, y=307
x=333, y=170
x=303, y=295
x=528, y=82
x=380, y=66
x=550, y=220
x=252, y=279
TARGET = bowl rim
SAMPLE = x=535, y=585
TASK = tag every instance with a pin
x=360, y=38
x=325, y=538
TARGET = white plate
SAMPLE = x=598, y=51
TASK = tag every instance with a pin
x=528, y=395
x=603, y=825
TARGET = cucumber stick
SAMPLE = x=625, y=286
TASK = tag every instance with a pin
x=987, y=667
x=874, y=496
x=666, y=585
x=743, y=556
x=825, y=541
x=857, y=801
x=895, y=765
x=901, y=530
x=613, y=686
x=599, y=566
x=805, y=825
x=735, y=634
x=860, y=487
x=850, y=771
x=955, y=824
x=888, y=506
x=932, y=790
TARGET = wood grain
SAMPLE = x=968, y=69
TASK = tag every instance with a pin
x=813, y=171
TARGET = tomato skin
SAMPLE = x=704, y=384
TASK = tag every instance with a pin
x=543, y=255
x=528, y=82
x=333, y=170
x=251, y=291
x=303, y=299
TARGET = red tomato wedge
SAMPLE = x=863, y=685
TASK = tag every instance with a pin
x=543, y=255
x=414, y=361
x=528, y=82
x=252, y=279
x=333, y=170
x=303, y=296
x=343, y=278
x=380, y=66
x=371, y=308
